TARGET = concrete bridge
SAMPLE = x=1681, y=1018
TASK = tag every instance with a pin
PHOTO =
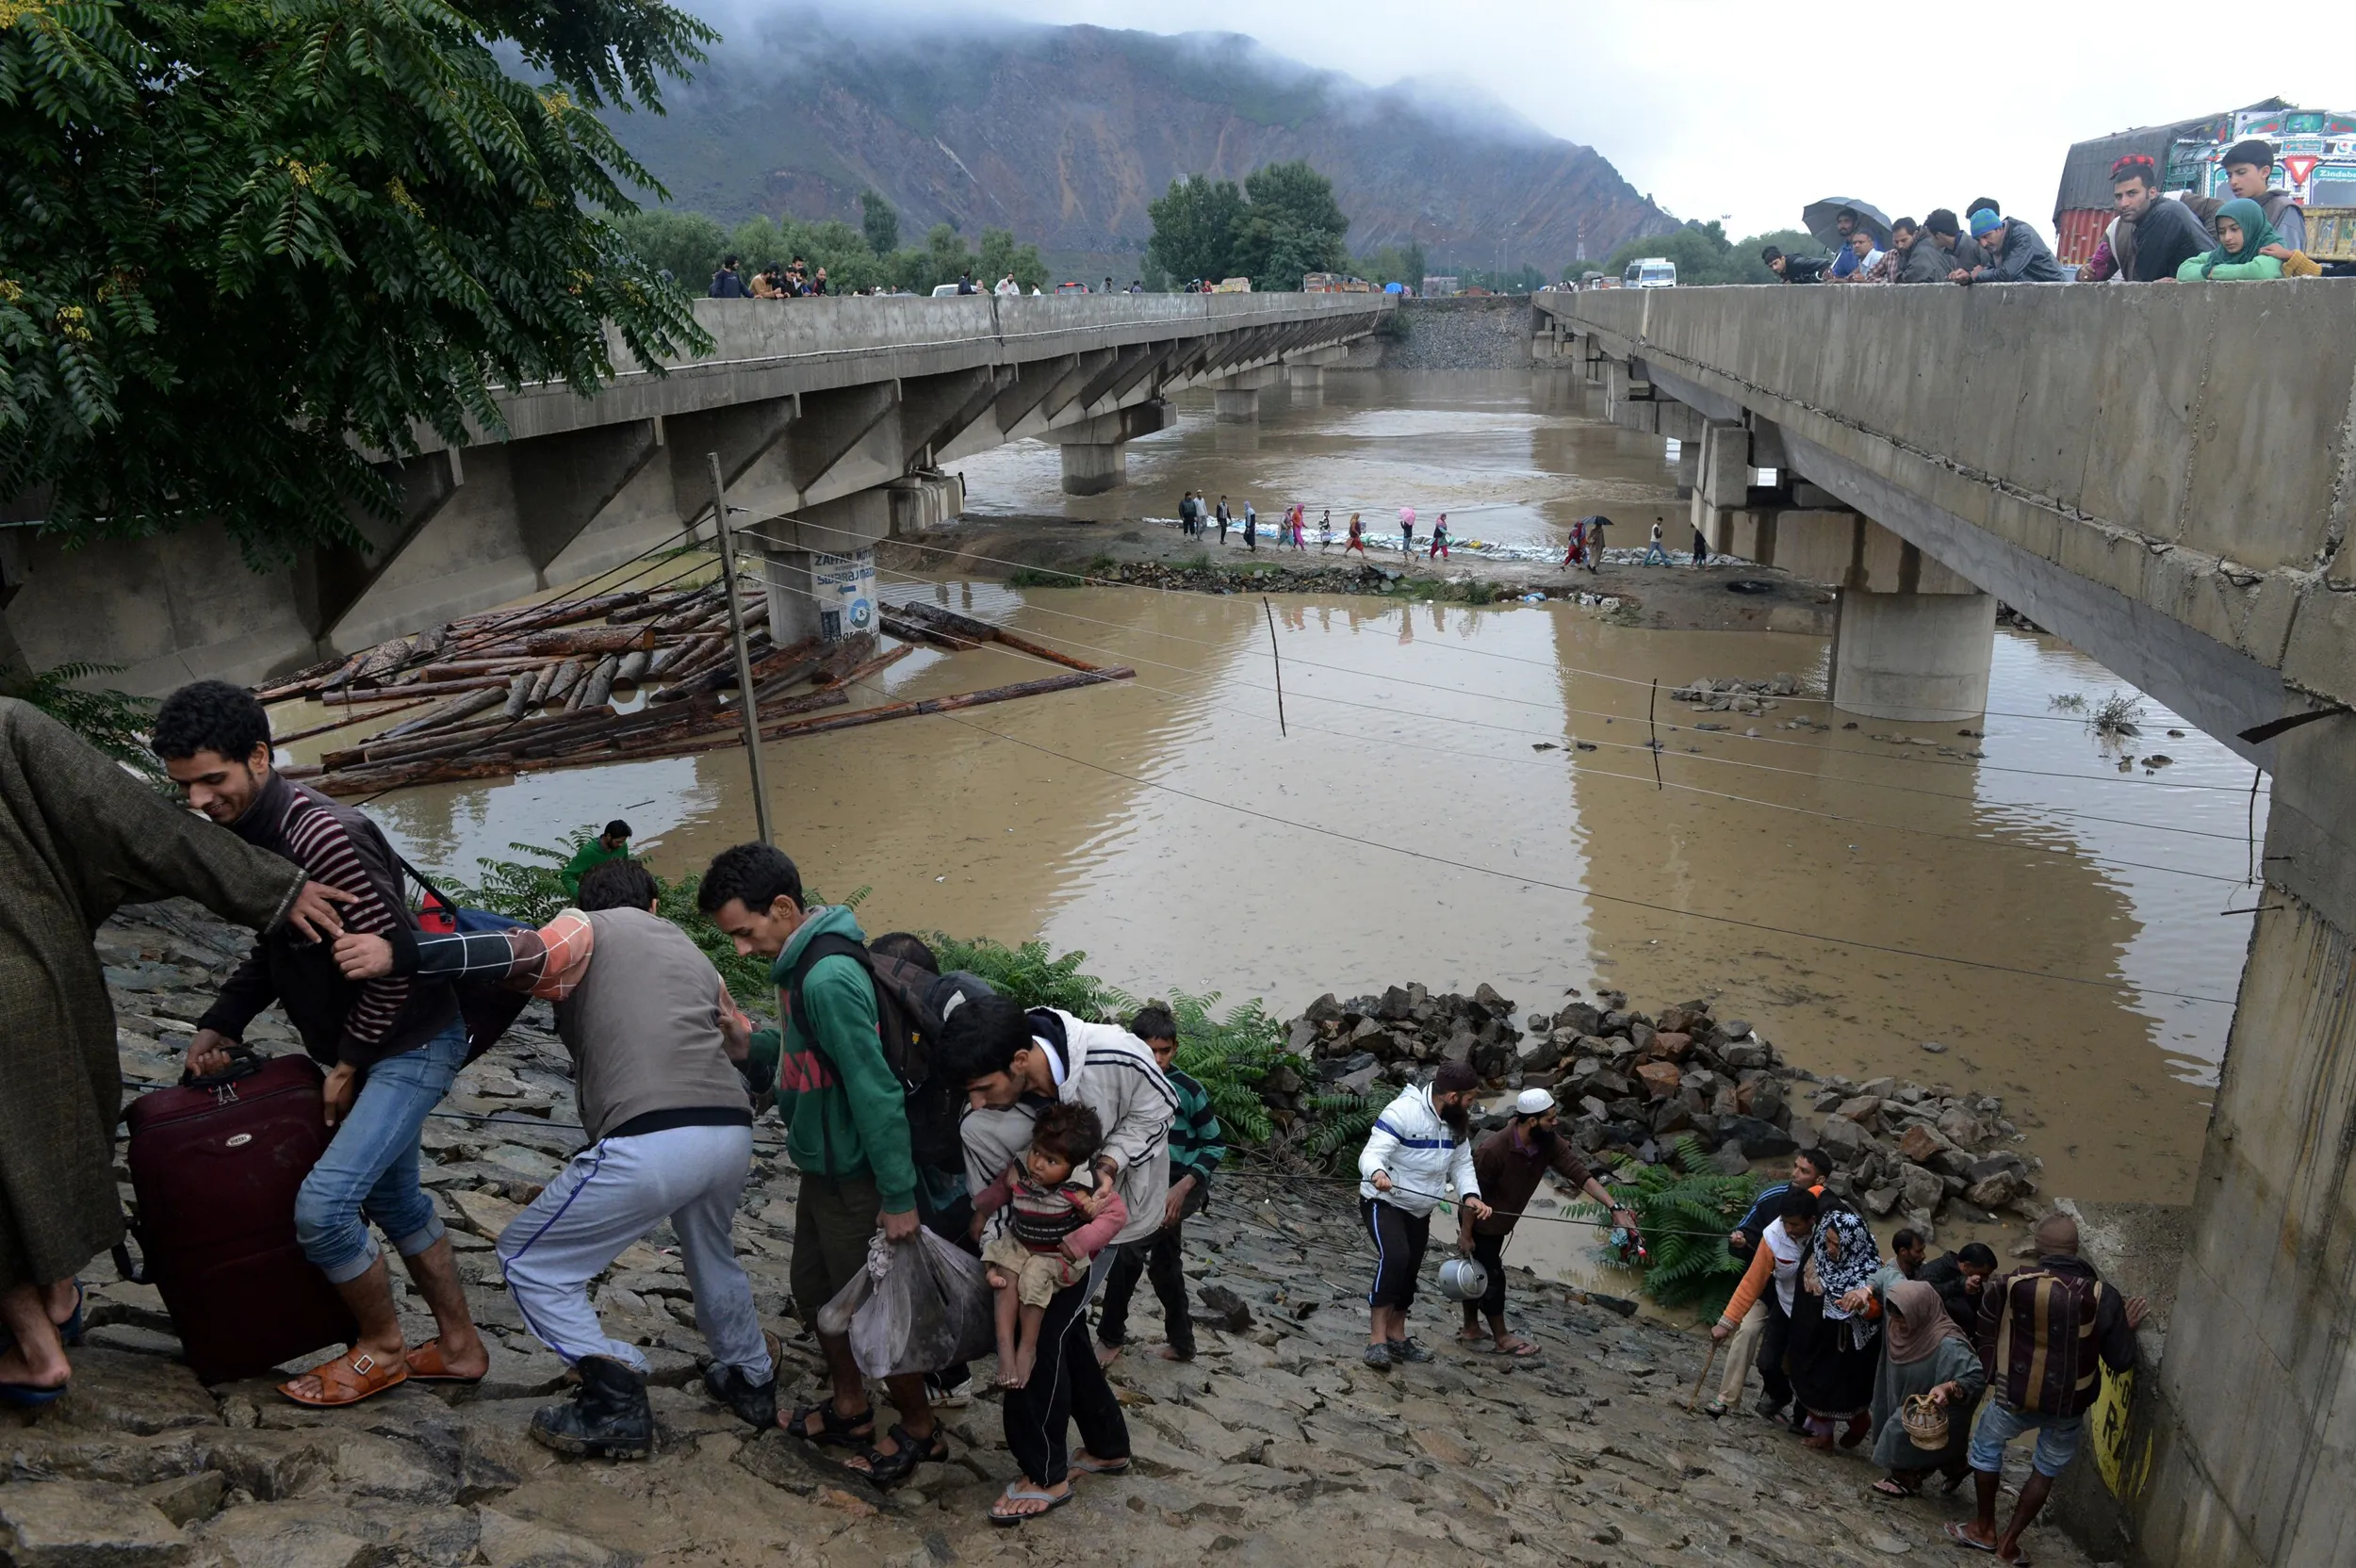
x=834, y=421
x=2163, y=477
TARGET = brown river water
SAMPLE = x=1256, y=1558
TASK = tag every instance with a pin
x=1426, y=812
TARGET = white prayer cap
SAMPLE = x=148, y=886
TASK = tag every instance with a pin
x=1533, y=1102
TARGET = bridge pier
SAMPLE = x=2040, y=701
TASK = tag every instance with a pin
x=1096, y=451
x=819, y=566
x=1235, y=400
x=1917, y=658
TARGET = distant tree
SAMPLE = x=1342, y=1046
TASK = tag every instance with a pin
x=1797, y=242
x=946, y=258
x=1394, y=263
x=878, y=222
x=687, y=245
x=1001, y=255
x=1702, y=253
x=1194, y=229
x=249, y=248
x=1291, y=226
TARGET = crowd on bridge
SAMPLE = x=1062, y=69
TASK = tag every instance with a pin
x=2257, y=231
x=1049, y=1157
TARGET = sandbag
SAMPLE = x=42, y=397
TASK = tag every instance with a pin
x=918, y=1306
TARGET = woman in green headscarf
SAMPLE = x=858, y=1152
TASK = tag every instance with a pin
x=2243, y=235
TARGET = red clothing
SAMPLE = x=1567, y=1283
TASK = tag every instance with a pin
x=1050, y=1219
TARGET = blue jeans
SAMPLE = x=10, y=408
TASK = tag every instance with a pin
x=369, y=1171
x=1654, y=552
x=2057, y=1439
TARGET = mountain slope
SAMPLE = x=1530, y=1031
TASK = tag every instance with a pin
x=1065, y=134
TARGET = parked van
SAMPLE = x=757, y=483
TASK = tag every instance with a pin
x=1650, y=272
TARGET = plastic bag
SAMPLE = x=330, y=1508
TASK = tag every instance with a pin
x=918, y=1306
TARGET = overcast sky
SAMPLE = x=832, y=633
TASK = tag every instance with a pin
x=1750, y=110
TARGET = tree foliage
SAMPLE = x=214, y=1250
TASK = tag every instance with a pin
x=1705, y=255
x=1685, y=1210
x=689, y=246
x=114, y=722
x=878, y=224
x=1395, y=263
x=1279, y=225
x=247, y=245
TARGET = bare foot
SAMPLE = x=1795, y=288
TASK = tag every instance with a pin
x=1106, y=1354
x=1171, y=1353
x=49, y=1372
x=1020, y=1373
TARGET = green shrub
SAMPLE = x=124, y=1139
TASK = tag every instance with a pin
x=1028, y=975
x=114, y=722
x=1036, y=576
x=1685, y=1210
x=1231, y=1057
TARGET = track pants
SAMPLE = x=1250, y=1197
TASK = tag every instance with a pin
x=1742, y=1351
x=1067, y=1388
x=612, y=1193
x=1399, y=1240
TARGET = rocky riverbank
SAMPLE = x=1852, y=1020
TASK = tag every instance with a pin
x=1276, y=1445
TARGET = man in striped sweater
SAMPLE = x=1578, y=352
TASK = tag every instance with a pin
x=391, y=1046
x=1195, y=1151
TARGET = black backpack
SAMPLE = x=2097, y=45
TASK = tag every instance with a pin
x=908, y=1017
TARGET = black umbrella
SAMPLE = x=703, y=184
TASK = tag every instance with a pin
x=1817, y=218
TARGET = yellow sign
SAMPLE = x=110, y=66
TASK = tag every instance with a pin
x=2107, y=1424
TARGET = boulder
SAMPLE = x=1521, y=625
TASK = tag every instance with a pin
x=1303, y=1038
x=1660, y=1079
x=1880, y=1201
x=1919, y=1191
x=1394, y=1006
x=1729, y=1160
x=1757, y=1139
x=1921, y=1143
x=1580, y=1016
x=1994, y=1191
x=1666, y=1045
x=84, y=1525
x=1767, y=1099
x=1863, y=1109
x=1844, y=1139
x=1324, y=1010
x=1486, y=996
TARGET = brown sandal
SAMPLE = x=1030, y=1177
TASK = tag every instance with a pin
x=347, y=1379
x=427, y=1366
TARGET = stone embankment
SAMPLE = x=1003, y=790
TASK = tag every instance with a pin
x=1639, y=1084
x=1477, y=332
x=1277, y=1445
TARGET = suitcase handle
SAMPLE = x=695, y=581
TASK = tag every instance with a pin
x=244, y=1062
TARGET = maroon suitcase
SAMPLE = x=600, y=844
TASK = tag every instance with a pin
x=216, y=1170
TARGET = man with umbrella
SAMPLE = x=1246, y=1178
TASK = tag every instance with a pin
x=1834, y=219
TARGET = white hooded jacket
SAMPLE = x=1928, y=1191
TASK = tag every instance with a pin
x=1417, y=1151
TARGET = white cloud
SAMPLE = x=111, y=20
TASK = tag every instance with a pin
x=1751, y=110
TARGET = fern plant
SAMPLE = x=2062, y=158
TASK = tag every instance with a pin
x=1028, y=975
x=1685, y=1210
x=114, y=722
x=1342, y=1123
x=1231, y=1057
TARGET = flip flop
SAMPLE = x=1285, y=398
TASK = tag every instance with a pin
x=1888, y=1488
x=1956, y=1533
x=427, y=1367
x=1520, y=1349
x=1089, y=1464
x=70, y=1332
x=347, y=1379
x=31, y=1396
x=1018, y=1492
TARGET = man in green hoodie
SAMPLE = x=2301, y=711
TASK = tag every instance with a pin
x=846, y=1131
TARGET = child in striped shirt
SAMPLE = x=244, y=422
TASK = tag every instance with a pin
x=1046, y=1230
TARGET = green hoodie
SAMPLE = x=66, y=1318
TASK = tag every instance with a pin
x=851, y=1120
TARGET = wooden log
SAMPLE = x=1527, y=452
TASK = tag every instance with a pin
x=547, y=678
x=967, y=627
x=405, y=694
x=669, y=659
x=519, y=693
x=568, y=676
x=302, y=682
x=917, y=631
x=599, y=686
x=450, y=712
x=346, y=722
x=589, y=640
x=1041, y=650
x=922, y=706
x=633, y=666
x=654, y=608
x=458, y=669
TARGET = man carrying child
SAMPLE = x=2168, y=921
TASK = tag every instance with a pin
x=1045, y=1229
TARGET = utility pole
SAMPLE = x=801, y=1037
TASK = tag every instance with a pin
x=747, y=703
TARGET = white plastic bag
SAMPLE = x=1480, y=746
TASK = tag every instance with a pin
x=918, y=1306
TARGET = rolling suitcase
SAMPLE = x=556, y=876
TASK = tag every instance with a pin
x=216, y=1164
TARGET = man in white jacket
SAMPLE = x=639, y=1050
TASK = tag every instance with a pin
x=1010, y=1062
x=1421, y=1143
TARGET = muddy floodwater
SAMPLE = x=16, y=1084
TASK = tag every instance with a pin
x=2071, y=933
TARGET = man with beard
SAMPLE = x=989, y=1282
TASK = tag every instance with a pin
x=1508, y=1164
x=1422, y=1142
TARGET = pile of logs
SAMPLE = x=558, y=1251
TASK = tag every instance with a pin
x=512, y=691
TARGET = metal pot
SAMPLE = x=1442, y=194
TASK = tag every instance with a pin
x=1464, y=1279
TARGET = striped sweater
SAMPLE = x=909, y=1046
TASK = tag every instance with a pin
x=1196, y=1143
x=340, y=1021
x=2046, y=1333
x=1043, y=1218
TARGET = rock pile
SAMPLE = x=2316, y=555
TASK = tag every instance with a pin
x=1707, y=695
x=1638, y=1083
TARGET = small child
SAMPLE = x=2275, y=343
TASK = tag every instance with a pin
x=1048, y=1228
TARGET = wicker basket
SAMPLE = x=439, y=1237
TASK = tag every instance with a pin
x=1925, y=1420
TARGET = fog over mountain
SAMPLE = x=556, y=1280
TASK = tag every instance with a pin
x=1065, y=134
